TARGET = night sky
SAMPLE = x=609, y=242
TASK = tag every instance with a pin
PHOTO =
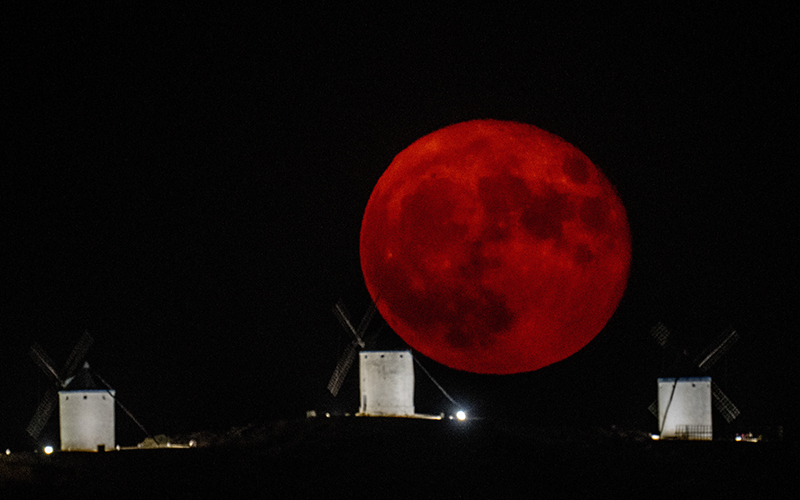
x=188, y=186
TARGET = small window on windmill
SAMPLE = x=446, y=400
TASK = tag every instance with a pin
x=85, y=397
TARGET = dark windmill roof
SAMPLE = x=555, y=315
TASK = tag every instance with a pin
x=82, y=381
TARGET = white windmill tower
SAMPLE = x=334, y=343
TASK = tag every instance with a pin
x=86, y=412
x=386, y=378
x=684, y=404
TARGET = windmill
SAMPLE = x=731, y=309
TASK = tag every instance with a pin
x=356, y=344
x=86, y=414
x=386, y=378
x=672, y=390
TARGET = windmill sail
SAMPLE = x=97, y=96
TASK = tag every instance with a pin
x=50, y=400
x=660, y=333
x=350, y=352
x=723, y=404
x=45, y=363
x=710, y=356
x=78, y=352
x=344, y=318
x=342, y=368
x=43, y=413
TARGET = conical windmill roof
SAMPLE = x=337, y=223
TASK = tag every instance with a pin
x=82, y=381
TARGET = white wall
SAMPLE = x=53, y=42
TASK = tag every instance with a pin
x=87, y=420
x=386, y=382
x=684, y=408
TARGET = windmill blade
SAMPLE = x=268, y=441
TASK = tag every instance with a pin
x=343, y=311
x=660, y=333
x=654, y=408
x=720, y=346
x=341, y=314
x=45, y=363
x=77, y=354
x=723, y=404
x=43, y=412
x=342, y=368
x=362, y=327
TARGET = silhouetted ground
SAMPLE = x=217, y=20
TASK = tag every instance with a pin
x=405, y=458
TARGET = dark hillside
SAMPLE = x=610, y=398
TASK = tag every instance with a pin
x=405, y=458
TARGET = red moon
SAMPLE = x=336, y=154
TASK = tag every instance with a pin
x=495, y=247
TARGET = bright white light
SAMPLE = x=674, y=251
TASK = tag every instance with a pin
x=461, y=415
x=655, y=437
x=48, y=450
x=8, y=452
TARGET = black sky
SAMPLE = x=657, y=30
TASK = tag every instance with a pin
x=188, y=187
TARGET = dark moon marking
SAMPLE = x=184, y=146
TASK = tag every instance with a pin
x=575, y=168
x=594, y=214
x=545, y=214
x=503, y=198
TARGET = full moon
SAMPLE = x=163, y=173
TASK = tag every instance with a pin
x=495, y=247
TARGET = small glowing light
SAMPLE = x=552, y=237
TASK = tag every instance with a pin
x=461, y=415
x=747, y=437
x=8, y=452
x=655, y=437
x=328, y=415
x=48, y=450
